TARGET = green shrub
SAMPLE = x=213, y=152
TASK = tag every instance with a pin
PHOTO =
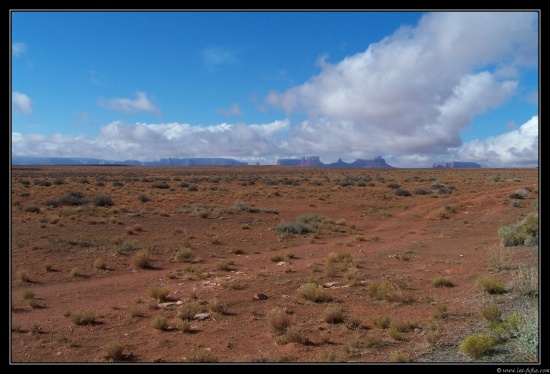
x=491, y=285
x=525, y=232
x=477, y=346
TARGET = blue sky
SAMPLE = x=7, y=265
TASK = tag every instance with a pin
x=413, y=87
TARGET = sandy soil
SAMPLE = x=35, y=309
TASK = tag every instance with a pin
x=232, y=225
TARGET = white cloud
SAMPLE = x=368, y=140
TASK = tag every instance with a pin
x=21, y=103
x=516, y=148
x=128, y=106
x=146, y=142
x=18, y=48
x=213, y=57
x=233, y=110
x=416, y=90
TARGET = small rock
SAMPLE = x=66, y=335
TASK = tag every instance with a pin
x=260, y=296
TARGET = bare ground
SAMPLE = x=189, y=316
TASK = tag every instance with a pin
x=239, y=251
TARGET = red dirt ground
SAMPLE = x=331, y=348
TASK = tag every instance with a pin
x=406, y=240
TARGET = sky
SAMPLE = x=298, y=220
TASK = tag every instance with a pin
x=412, y=87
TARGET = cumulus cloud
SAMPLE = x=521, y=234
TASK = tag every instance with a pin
x=21, y=103
x=233, y=110
x=18, y=48
x=146, y=142
x=416, y=90
x=128, y=106
x=516, y=148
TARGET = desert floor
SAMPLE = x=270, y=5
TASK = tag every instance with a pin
x=212, y=243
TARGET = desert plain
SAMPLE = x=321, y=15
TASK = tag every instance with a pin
x=270, y=264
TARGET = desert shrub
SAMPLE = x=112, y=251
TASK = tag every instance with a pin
x=188, y=310
x=312, y=292
x=353, y=323
x=200, y=355
x=185, y=254
x=184, y=326
x=420, y=191
x=74, y=272
x=232, y=284
x=42, y=182
x=381, y=321
x=202, y=214
x=433, y=337
x=402, y=192
x=394, y=333
x=293, y=335
x=491, y=285
x=142, y=259
x=277, y=257
x=103, y=201
x=82, y=317
x=224, y=265
x=526, y=280
x=143, y=198
x=159, y=322
x=216, y=305
x=476, y=346
x=499, y=257
x=442, y=282
x=159, y=293
x=374, y=341
x=527, y=336
x=440, y=311
x=279, y=320
x=393, y=185
x=294, y=228
x=525, y=232
x=519, y=194
x=27, y=294
x=491, y=313
x=113, y=351
x=22, y=275
x=161, y=185
x=334, y=313
x=192, y=188
x=31, y=209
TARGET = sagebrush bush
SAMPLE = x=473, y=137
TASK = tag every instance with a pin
x=525, y=232
x=113, y=350
x=188, y=310
x=334, y=313
x=142, y=259
x=185, y=254
x=159, y=322
x=159, y=293
x=381, y=321
x=477, y=346
x=279, y=320
x=312, y=292
x=82, y=317
x=491, y=285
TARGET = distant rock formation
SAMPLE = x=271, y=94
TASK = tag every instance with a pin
x=195, y=162
x=456, y=164
x=313, y=161
x=16, y=160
